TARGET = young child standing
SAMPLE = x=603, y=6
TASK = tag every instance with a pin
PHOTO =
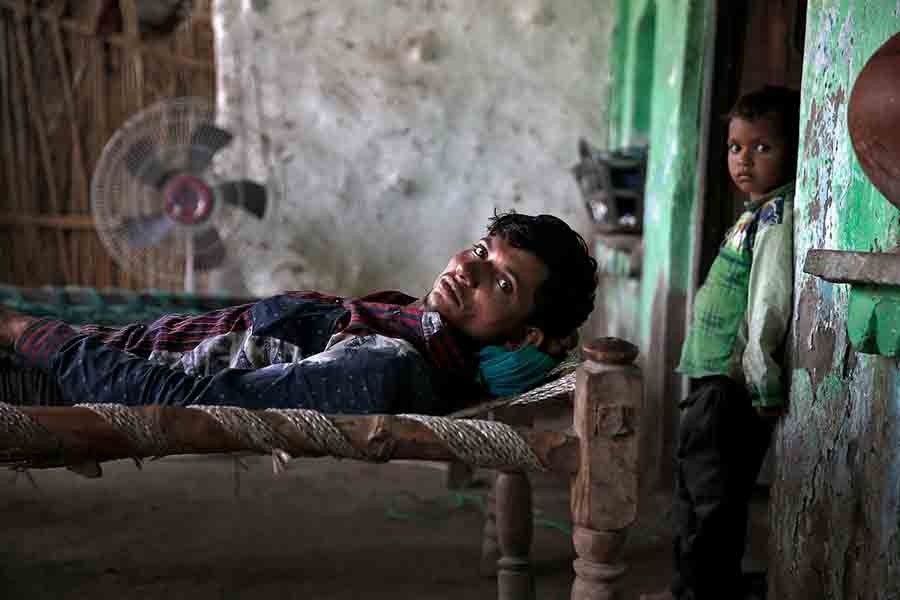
x=734, y=354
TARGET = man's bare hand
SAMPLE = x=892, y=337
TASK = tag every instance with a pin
x=12, y=325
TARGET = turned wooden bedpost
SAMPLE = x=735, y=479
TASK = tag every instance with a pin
x=514, y=532
x=490, y=549
x=604, y=493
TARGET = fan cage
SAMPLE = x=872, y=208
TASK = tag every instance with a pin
x=117, y=195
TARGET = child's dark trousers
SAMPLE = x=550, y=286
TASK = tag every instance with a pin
x=721, y=446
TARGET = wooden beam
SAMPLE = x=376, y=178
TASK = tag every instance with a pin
x=514, y=522
x=47, y=221
x=869, y=268
x=79, y=434
x=43, y=138
x=12, y=160
x=78, y=183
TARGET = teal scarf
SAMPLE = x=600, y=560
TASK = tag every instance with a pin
x=508, y=372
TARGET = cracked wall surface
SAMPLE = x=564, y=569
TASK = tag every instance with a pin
x=398, y=127
x=835, y=515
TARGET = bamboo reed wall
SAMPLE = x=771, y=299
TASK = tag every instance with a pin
x=71, y=72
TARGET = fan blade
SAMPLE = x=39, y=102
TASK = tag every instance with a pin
x=142, y=162
x=141, y=232
x=245, y=194
x=206, y=140
x=209, y=251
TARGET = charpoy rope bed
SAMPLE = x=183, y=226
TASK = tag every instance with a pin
x=34, y=437
x=598, y=450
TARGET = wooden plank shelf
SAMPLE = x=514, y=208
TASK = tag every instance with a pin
x=873, y=309
x=867, y=268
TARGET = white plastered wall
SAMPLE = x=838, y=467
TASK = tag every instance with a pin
x=396, y=128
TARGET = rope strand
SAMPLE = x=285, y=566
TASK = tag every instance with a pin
x=488, y=444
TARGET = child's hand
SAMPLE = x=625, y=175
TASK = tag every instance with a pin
x=770, y=412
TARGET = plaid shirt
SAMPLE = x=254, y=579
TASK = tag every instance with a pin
x=406, y=342
x=742, y=312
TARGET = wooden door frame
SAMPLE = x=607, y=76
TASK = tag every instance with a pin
x=713, y=213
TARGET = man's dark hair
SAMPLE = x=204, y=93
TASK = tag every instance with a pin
x=772, y=101
x=565, y=300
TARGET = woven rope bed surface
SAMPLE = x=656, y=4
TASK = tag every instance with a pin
x=26, y=443
x=560, y=382
x=470, y=440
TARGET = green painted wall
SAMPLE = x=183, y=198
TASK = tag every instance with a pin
x=836, y=493
x=674, y=146
x=657, y=97
x=640, y=50
x=672, y=82
x=618, y=62
x=873, y=319
x=616, y=311
x=835, y=517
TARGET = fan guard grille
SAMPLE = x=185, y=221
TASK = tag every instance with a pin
x=128, y=191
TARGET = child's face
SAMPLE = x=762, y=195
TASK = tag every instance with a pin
x=758, y=158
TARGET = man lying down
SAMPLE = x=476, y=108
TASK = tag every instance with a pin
x=500, y=316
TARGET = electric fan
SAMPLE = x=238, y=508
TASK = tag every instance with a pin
x=159, y=206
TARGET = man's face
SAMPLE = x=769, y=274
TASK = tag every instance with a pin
x=487, y=291
x=757, y=155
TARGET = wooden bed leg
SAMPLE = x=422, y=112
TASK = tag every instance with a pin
x=490, y=550
x=604, y=493
x=599, y=565
x=514, y=530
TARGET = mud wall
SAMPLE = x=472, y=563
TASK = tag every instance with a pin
x=399, y=127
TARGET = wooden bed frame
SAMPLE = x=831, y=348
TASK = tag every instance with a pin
x=591, y=436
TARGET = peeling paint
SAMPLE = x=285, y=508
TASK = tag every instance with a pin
x=873, y=319
x=834, y=507
x=824, y=48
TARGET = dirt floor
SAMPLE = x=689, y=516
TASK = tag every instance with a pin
x=212, y=528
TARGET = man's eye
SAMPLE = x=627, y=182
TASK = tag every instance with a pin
x=505, y=285
x=479, y=251
x=734, y=148
x=762, y=148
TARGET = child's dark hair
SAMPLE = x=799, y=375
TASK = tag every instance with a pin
x=772, y=101
x=565, y=300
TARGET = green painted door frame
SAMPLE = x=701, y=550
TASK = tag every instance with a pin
x=675, y=38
